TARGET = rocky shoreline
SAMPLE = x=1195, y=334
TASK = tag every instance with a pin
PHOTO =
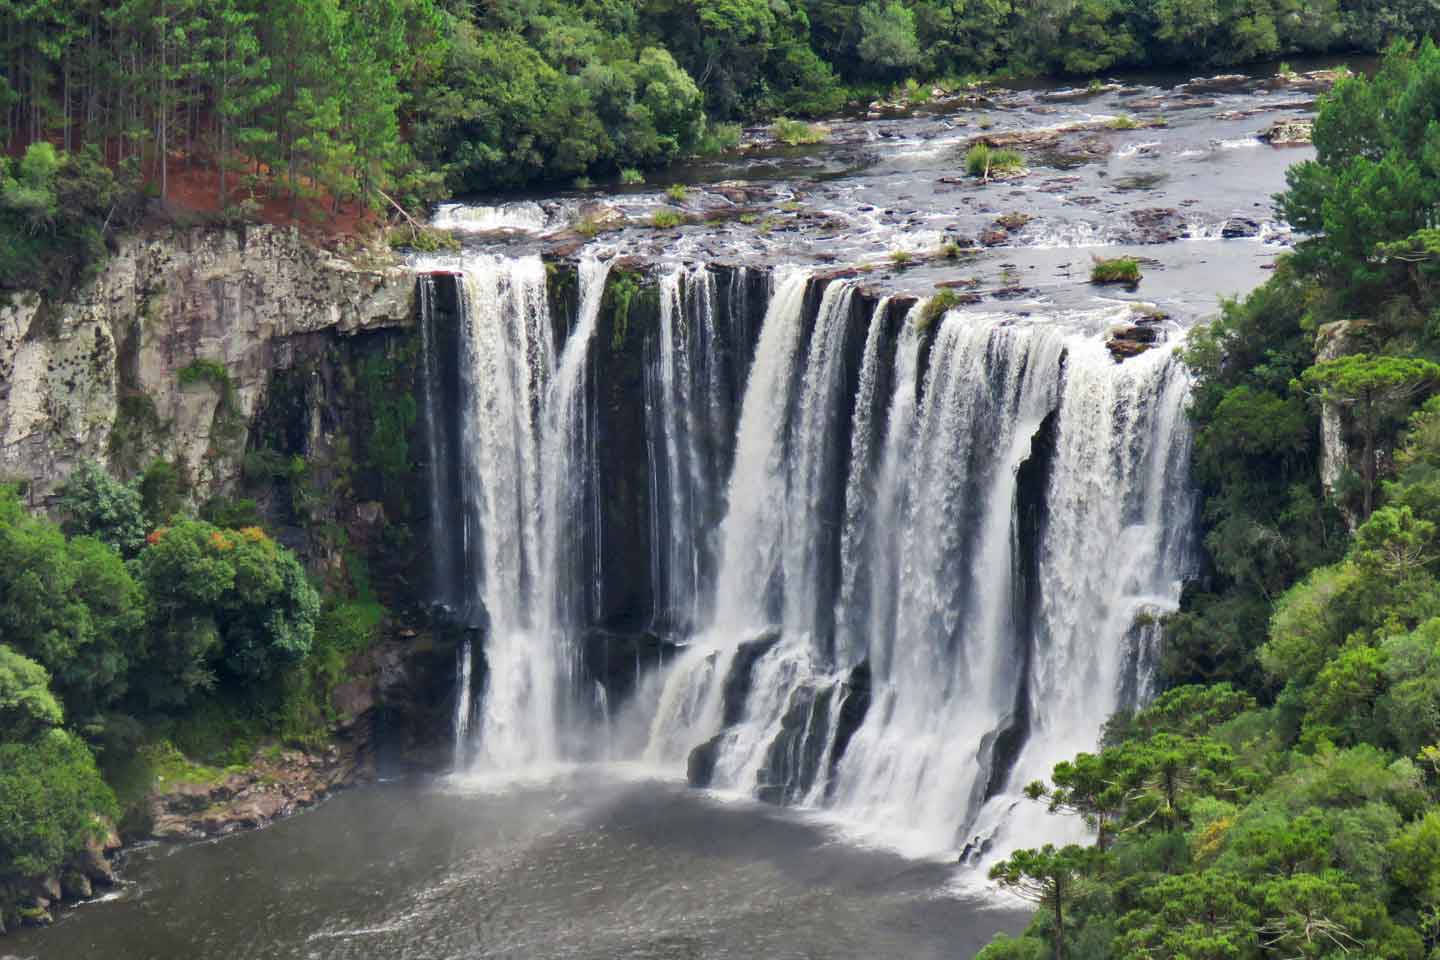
x=278, y=783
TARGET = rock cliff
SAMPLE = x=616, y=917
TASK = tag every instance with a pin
x=170, y=351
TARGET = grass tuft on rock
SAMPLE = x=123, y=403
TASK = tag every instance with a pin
x=797, y=132
x=985, y=161
x=935, y=308
x=1124, y=270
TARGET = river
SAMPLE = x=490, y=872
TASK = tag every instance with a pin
x=589, y=865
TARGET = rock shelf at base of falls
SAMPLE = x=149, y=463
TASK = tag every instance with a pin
x=277, y=783
x=84, y=876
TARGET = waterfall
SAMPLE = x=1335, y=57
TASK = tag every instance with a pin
x=945, y=660
x=898, y=566
x=1116, y=544
x=524, y=424
x=692, y=699
x=688, y=421
x=955, y=639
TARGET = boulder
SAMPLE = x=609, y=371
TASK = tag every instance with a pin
x=93, y=863
x=1125, y=349
x=1156, y=225
x=76, y=886
x=1237, y=227
x=36, y=915
x=47, y=889
x=1292, y=131
x=700, y=765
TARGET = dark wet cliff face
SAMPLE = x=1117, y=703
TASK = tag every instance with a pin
x=625, y=625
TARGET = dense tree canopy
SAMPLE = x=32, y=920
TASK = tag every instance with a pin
x=1279, y=801
x=364, y=100
x=96, y=652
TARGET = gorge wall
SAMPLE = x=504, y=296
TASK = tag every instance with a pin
x=255, y=375
x=99, y=376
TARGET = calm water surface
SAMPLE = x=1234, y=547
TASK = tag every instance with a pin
x=590, y=866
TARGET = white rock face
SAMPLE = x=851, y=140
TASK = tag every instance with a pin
x=162, y=302
x=1332, y=341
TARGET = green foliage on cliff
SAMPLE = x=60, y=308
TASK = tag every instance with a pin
x=56, y=212
x=230, y=601
x=209, y=636
x=50, y=797
x=97, y=505
x=1279, y=800
x=26, y=704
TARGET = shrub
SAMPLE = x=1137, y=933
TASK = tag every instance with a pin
x=677, y=193
x=27, y=707
x=665, y=218
x=423, y=240
x=1124, y=270
x=901, y=258
x=1124, y=123
x=916, y=93
x=630, y=176
x=798, y=132
x=590, y=227
x=55, y=211
x=231, y=598
x=50, y=797
x=583, y=183
x=96, y=504
x=162, y=491
x=70, y=605
x=204, y=370
x=718, y=137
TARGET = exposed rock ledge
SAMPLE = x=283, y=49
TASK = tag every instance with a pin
x=162, y=301
x=277, y=783
x=80, y=878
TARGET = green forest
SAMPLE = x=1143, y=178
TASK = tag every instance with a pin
x=342, y=101
x=132, y=632
x=1280, y=799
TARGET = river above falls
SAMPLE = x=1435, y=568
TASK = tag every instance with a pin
x=590, y=866
x=1177, y=174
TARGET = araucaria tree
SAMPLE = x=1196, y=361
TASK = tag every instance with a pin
x=1376, y=390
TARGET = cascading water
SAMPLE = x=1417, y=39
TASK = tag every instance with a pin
x=689, y=423
x=902, y=568
x=525, y=445
x=1115, y=544
x=694, y=701
x=971, y=632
